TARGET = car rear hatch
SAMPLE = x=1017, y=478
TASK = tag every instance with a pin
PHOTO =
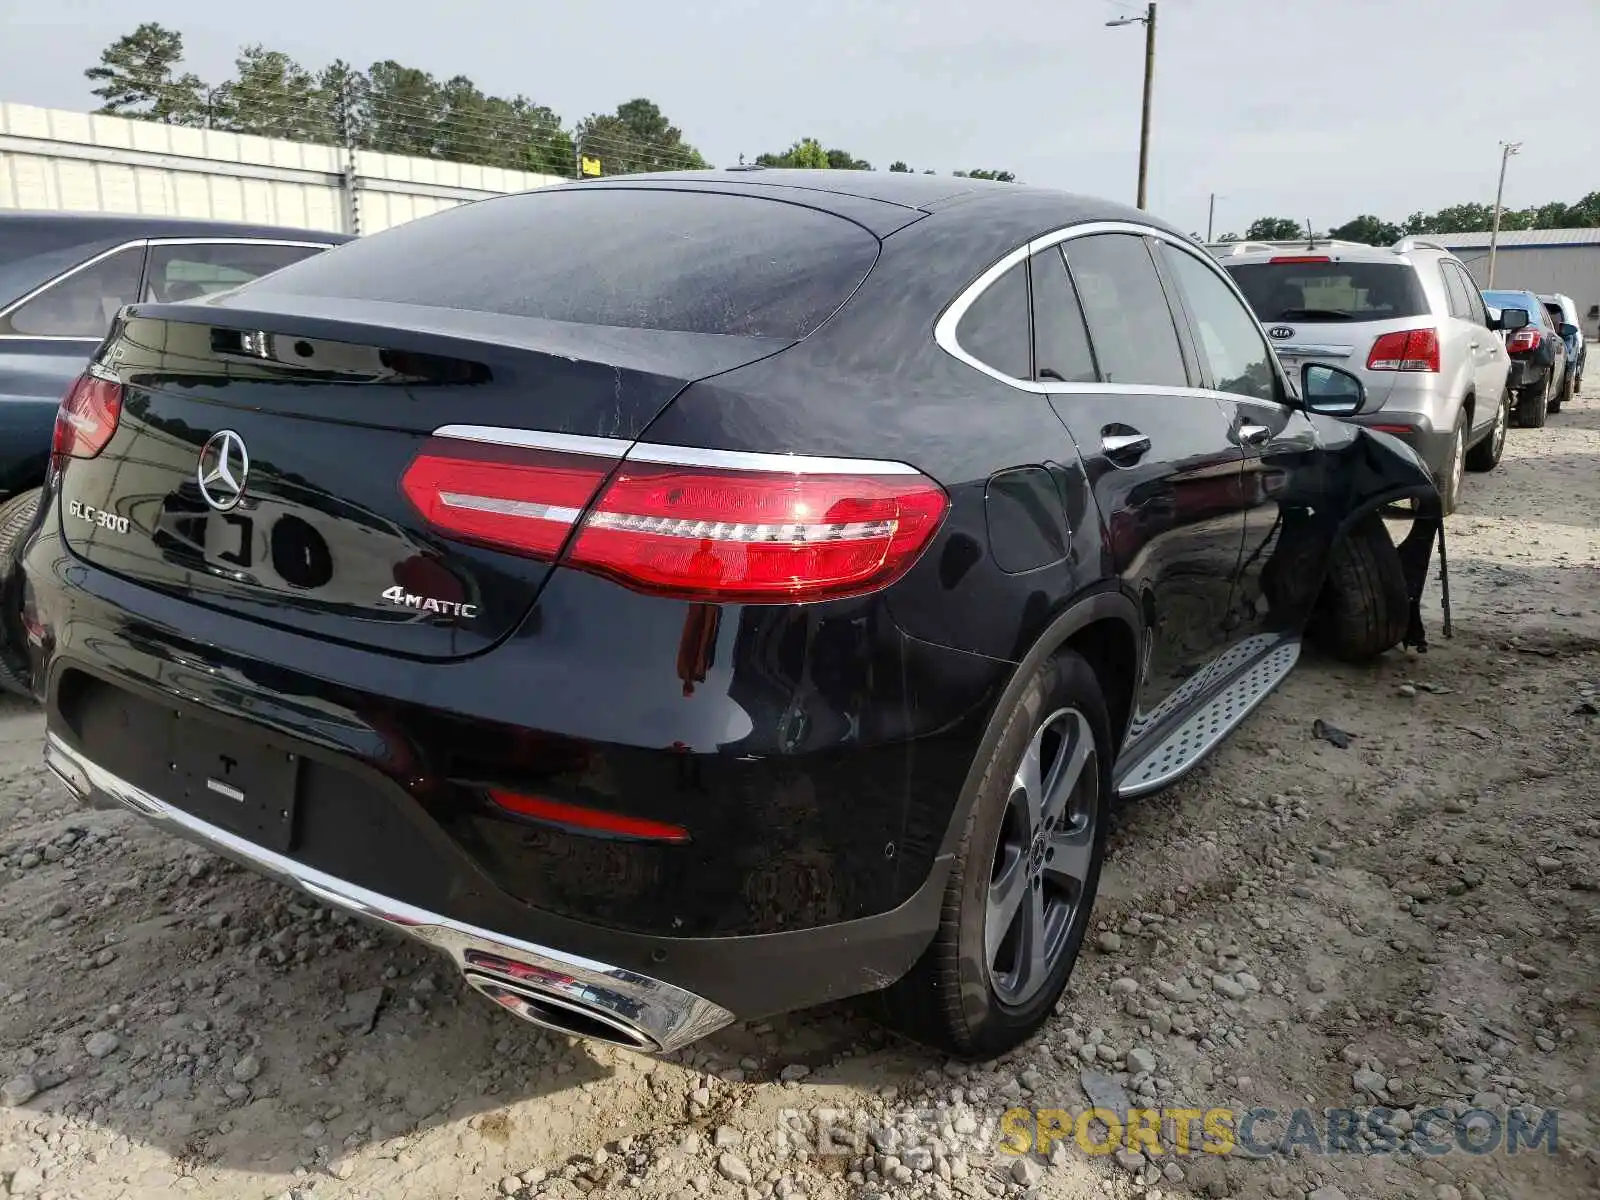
x=315, y=461
x=1353, y=313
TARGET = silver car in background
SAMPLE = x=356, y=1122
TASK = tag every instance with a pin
x=1410, y=321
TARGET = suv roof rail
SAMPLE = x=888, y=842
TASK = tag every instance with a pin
x=1242, y=247
x=1288, y=246
x=1411, y=242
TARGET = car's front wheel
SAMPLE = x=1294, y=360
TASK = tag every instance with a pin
x=1025, y=876
x=1485, y=456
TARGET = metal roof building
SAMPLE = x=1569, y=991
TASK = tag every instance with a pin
x=1540, y=260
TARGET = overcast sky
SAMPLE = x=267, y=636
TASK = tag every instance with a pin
x=1314, y=109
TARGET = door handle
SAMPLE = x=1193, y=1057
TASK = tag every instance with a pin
x=1254, y=435
x=1124, y=445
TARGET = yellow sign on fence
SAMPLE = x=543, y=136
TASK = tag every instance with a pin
x=590, y=166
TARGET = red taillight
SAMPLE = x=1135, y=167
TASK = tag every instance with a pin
x=1408, y=350
x=587, y=820
x=1300, y=258
x=87, y=417
x=757, y=535
x=509, y=497
x=1523, y=340
x=701, y=532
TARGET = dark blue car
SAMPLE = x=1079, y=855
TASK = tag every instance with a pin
x=63, y=277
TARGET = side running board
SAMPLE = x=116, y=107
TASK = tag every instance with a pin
x=1191, y=740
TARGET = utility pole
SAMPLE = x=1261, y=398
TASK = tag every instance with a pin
x=1211, y=218
x=1149, y=23
x=1507, y=149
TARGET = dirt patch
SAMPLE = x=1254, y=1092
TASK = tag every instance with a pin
x=1411, y=923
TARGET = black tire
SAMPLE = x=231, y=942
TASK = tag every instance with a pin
x=1365, y=605
x=1454, y=464
x=16, y=515
x=949, y=999
x=1485, y=456
x=1531, y=405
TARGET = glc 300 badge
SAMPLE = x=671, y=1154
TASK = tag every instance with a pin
x=98, y=516
x=449, y=608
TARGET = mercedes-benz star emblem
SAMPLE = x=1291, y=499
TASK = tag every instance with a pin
x=224, y=468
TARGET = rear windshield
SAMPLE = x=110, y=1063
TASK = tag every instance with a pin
x=695, y=262
x=33, y=252
x=1331, y=291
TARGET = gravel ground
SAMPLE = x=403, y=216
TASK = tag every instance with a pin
x=1410, y=922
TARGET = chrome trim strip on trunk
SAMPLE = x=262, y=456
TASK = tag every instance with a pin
x=647, y=1013
x=674, y=456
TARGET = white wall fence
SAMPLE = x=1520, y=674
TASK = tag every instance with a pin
x=75, y=162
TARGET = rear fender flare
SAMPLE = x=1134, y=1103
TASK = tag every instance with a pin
x=1078, y=615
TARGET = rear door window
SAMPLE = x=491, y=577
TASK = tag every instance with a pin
x=1331, y=291
x=83, y=303
x=187, y=271
x=994, y=329
x=641, y=258
x=1456, y=290
x=1132, y=328
x=1061, y=351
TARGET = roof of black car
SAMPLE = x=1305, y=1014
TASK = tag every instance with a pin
x=852, y=193
x=99, y=226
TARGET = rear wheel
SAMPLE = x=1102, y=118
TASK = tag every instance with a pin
x=1025, y=876
x=16, y=515
x=1450, y=478
x=1365, y=604
x=1485, y=456
x=1531, y=402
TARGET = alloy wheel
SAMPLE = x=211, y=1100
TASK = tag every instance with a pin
x=1458, y=461
x=1502, y=421
x=1043, y=857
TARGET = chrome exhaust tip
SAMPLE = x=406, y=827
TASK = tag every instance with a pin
x=550, y=1011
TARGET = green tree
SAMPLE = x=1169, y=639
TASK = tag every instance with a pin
x=1369, y=229
x=808, y=154
x=271, y=95
x=402, y=109
x=342, y=94
x=1274, y=229
x=899, y=168
x=138, y=77
x=997, y=176
x=637, y=137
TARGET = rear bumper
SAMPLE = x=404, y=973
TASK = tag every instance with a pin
x=1527, y=373
x=638, y=1010
x=1417, y=431
x=814, y=763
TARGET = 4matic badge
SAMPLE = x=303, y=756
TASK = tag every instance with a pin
x=449, y=608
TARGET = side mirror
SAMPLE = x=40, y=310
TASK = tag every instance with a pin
x=1331, y=391
x=1568, y=329
x=1512, y=319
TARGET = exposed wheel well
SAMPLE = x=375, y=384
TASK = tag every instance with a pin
x=1109, y=648
x=1469, y=406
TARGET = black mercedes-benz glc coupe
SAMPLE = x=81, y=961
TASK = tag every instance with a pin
x=688, y=598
